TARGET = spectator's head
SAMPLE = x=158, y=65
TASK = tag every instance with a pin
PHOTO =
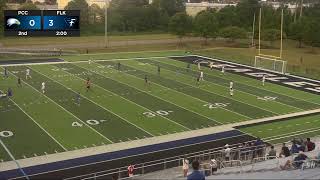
x=283, y=144
x=195, y=165
x=272, y=147
x=308, y=139
x=226, y=146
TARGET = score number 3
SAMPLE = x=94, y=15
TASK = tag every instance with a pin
x=51, y=22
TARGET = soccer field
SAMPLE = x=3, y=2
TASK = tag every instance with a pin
x=120, y=106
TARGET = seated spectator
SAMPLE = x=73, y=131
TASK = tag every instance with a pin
x=296, y=163
x=272, y=153
x=294, y=148
x=185, y=166
x=310, y=145
x=196, y=174
x=284, y=151
x=214, y=166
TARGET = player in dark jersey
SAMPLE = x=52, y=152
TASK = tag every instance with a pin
x=119, y=66
x=88, y=84
x=19, y=82
x=159, y=70
x=9, y=93
x=188, y=67
x=198, y=80
x=6, y=75
x=78, y=99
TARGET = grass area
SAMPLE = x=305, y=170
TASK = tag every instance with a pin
x=283, y=131
x=18, y=41
x=120, y=106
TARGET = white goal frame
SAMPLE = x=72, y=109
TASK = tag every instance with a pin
x=275, y=60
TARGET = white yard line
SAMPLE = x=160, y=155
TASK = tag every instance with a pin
x=68, y=112
x=270, y=83
x=208, y=74
x=40, y=126
x=157, y=97
x=98, y=105
x=184, y=94
x=131, y=102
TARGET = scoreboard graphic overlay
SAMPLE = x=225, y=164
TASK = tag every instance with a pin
x=42, y=23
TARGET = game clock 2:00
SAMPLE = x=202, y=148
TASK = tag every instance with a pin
x=42, y=23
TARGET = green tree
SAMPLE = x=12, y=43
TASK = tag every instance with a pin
x=95, y=12
x=232, y=33
x=312, y=32
x=81, y=5
x=271, y=35
x=228, y=16
x=180, y=25
x=296, y=31
x=245, y=10
x=205, y=25
x=28, y=6
x=169, y=7
x=2, y=7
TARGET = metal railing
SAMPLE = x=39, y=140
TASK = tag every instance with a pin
x=216, y=153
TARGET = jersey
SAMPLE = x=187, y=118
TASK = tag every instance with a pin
x=201, y=74
x=28, y=72
x=43, y=85
x=231, y=85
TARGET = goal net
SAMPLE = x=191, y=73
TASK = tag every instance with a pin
x=269, y=63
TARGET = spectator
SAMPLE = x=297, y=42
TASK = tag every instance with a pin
x=272, y=153
x=185, y=166
x=196, y=174
x=284, y=151
x=310, y=145
x=296, y=163
x=214, y=166
x=294, y=148
x=258, y=142
x=227, y=152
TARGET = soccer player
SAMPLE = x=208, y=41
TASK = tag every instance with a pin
x=88, y=84
x=201, y=76
x=89, y=61
x=6, y=75
x=263, y=79
x=199, y=67
x=198, y=80
x=19, y=82
x=145, y=80
x=188, y=67
x=28, y=74
x=211, y=65
x=222, y=69
x=231, y=88
x=119, y=66
x=159, y=70
x=9, y=93
x=78, y=98
x=43, y=87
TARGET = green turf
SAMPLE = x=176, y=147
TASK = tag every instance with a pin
x=121, y=107
x=245, y=84
x=282, y=131
x=237, y=103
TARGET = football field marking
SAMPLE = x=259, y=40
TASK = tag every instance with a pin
x=65, y=109
x=127, y=99
x=202, y=90
x=97, y=104
x=227, y=79
x=159, y=98
x=38, y=124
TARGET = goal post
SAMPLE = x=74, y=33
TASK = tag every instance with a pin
x=270, y=63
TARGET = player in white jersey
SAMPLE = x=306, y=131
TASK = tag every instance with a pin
x=201, y=76
x=263, y=79
x=231, y=88
x=211, y=65
x=222, y=69
x=28, y=74
x=43, y=87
